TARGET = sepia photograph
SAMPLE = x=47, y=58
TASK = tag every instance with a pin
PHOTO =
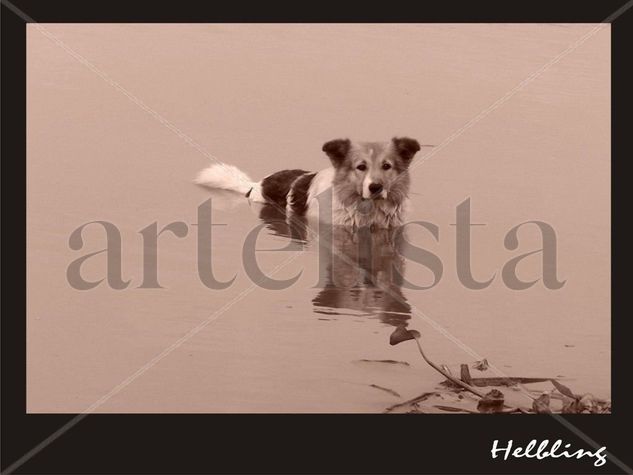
x=286, y=218
x=323, y=239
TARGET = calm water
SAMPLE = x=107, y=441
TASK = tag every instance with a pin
x=266, y=97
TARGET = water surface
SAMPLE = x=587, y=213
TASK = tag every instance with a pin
x=265, y=97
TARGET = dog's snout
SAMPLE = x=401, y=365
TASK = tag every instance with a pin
x=375, y=188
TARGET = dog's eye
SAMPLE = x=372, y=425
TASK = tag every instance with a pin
x=362, y=167
x=386, y=166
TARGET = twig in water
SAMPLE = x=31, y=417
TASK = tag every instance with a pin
x=467, y=387
x=390, y=391
x=401, y=334
x=410, y=402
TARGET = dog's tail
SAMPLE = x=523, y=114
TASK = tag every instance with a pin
x=226, y=177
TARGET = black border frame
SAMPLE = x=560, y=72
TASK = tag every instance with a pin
x=288, y=443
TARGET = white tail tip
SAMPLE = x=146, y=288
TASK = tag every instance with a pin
x=225, y=177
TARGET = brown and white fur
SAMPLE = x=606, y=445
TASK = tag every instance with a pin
x=369, y=183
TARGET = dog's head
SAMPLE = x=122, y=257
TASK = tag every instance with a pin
x=371, y=170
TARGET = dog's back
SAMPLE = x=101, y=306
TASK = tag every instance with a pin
x=275, y=187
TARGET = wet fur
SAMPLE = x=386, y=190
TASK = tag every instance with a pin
x=369, y=182
x=353, y=204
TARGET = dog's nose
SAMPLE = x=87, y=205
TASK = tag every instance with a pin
x=375, y=188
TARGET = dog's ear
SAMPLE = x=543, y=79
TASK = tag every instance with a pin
x=406, y=147
x=337, y=150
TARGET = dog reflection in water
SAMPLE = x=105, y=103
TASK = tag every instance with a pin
x=360, y=271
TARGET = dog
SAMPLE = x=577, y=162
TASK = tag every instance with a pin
x=366, y=186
